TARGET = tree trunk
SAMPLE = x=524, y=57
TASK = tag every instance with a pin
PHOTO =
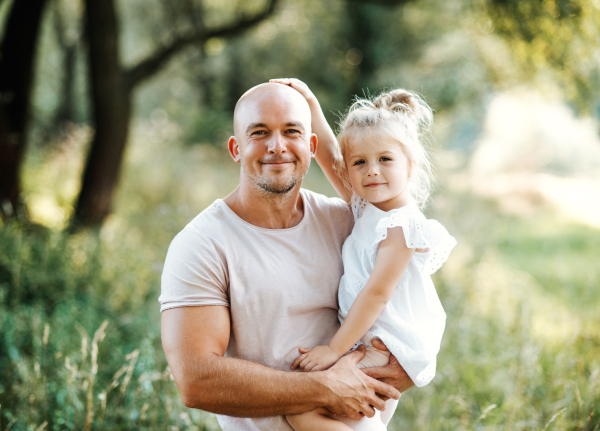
x=112, y=88
x=66, y=109
x=17, y=52
x=111, y=103
x=362, y=37
x=235, y=84
x=364, y=18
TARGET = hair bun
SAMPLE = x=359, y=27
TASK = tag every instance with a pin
x=398, y=100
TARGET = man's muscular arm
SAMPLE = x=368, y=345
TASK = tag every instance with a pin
x=195, y=339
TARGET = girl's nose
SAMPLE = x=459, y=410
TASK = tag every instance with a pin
x=372, y=170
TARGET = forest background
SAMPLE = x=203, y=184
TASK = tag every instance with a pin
x=114, y=117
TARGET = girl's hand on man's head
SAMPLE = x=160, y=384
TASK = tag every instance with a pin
x=297, y=85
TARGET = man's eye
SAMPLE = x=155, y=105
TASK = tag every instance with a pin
x=293, y=131
x=259, y=132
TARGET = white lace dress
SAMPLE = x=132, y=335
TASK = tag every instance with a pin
x=412, y=323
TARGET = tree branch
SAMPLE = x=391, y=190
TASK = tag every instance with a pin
x=149, y=66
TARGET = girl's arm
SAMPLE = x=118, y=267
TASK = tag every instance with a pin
x=328, y=151
x=392, y=260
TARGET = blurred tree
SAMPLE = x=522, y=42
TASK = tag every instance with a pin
x=556, y=36
x=112, y=87
x=365, y=37
x=17, y=52
x=337, y=48
x=67, y=40
x=340, y=48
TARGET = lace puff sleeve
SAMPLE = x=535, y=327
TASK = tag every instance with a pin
x=419, y=232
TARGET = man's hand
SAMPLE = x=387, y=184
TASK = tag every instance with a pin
x=393, y=374
x=353, y=393
x=317, y=358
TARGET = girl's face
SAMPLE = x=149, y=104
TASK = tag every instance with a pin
x=379, y=172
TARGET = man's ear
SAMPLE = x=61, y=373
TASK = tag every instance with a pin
x=313, y=145
x=234, y=149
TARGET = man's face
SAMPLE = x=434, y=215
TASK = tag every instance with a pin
x=273, y=139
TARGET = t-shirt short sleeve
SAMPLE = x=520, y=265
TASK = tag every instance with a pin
x=194, y=273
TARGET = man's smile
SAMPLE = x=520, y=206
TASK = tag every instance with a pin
x=277, y=163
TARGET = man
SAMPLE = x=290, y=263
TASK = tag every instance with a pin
x=254, y=276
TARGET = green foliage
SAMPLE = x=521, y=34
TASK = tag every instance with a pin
x=72, y=352
x=556, y=37
x=455, y=52
x=503, y=365
x=553, y=256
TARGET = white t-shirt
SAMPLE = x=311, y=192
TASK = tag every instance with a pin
x=280, y=284
x=412, y=323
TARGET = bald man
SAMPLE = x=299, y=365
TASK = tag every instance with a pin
x=254, y=277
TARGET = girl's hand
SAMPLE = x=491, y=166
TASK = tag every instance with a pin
x=328, y=152
x=297, y=85
x=318, y=358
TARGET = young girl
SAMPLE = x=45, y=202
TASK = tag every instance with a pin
x=386, y=291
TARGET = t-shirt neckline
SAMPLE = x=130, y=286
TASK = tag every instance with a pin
x=222, y=203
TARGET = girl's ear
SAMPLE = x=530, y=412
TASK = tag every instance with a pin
x=410, y=168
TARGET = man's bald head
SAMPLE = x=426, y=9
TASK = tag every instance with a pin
x=262, y=99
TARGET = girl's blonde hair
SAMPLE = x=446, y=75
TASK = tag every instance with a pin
x=402, y=116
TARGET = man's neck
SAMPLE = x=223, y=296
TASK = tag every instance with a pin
x=266, y=210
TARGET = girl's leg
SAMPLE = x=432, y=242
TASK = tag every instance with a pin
x=365, y=424
x=380, y=358
x=390, y=408
x=317, y=419
x=321, y=419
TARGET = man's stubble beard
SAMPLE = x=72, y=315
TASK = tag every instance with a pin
x=272, y=186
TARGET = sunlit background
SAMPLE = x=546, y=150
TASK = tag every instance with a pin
x=515, y=86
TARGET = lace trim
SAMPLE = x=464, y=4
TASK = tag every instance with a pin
x=358, y=205
x=419, y=232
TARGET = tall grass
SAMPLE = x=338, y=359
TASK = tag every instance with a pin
x=79, y=321
x=71, y=357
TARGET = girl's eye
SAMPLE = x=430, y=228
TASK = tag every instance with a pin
x=359, y=162
x=385, y=159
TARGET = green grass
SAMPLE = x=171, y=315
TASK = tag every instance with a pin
x=521, y=349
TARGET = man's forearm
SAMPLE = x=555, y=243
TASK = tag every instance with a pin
x=236, y=387
x=195, y=340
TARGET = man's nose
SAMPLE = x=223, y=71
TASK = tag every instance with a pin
x=277, y=144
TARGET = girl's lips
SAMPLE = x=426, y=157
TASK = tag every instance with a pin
x=373, y=185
